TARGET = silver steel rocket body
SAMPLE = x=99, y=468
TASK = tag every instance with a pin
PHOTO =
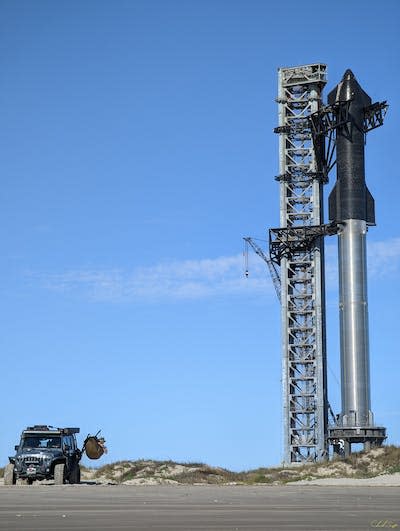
x=354, y=338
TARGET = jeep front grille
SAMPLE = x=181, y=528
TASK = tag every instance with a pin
x=33, y=460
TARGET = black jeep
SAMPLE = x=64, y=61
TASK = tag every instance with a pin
x=45, y=452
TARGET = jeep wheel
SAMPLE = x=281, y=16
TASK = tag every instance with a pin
x=75, y=475
x=59, y=474
x=9, y=476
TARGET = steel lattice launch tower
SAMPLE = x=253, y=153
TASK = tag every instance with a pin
x=304, y=387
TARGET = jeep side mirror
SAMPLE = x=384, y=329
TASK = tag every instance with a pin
x=16, y=447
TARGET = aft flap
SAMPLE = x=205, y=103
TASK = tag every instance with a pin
x=333, y=213
x=370, y=208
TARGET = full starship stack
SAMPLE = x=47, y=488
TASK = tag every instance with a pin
x=352, y=207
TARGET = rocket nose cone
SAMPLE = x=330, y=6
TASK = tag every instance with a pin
x=349, y=89
x=348, y=75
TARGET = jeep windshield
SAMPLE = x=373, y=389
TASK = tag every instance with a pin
x=39, y=441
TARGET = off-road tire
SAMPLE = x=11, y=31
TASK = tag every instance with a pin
x=75, y=474
x=59, y=474
x=9, y=476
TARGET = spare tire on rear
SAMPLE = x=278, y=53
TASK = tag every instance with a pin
x=94, y=447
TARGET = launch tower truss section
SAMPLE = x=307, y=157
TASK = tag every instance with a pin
x=301, y=263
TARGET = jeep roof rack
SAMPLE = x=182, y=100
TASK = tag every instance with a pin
x=70, y=431
x=43, y=427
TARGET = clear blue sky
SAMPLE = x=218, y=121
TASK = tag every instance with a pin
x=136, y=149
